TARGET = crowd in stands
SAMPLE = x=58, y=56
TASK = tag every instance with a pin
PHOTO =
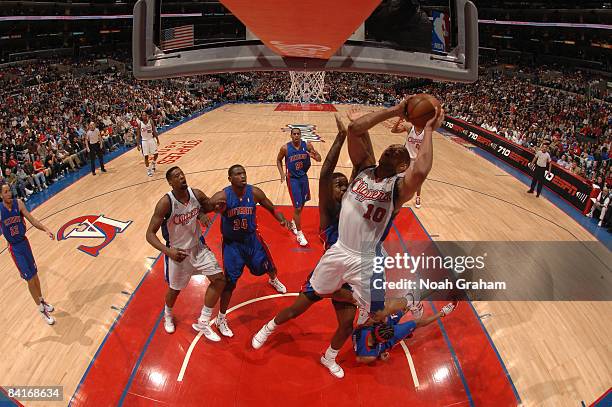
x=46, y=108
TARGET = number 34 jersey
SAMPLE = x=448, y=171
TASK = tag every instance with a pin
x=367, y=212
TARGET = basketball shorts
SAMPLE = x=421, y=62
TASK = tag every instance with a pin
x=200, y=260
x=149, y=147
x=310, y=293
x=251, y=252
x=341, y=265
x=299, y=190
x=24, y=259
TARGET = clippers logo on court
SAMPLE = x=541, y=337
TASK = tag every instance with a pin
x=309, y=131
x=92, y=227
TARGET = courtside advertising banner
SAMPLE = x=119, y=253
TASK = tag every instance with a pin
x=575, y=190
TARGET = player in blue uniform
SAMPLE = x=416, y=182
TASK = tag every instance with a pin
x=332, y=186
x=242, y=244
x=372, y=342
x=13, y=228
x=297, y=154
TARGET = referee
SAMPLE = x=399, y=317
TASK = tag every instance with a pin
x=541, y=161
x=94, y=148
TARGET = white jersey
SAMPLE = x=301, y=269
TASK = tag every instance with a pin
x=413, y=142
x=146, y=130
x=181, y=228
x=367, y=212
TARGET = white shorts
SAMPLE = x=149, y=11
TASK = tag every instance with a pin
x=149, y=147
x=341, y=265
x=200, y=260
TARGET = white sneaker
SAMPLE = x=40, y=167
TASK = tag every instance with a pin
x=278, y=286
x=168, y=324
x=47, y=307
x=301, y=239
x=149, y=172
x=417, y=202
x=448, y=308
x=260, y=337
x=417, y=310
x=294, y=228
x=223, y=327
x=363, y=316
x=48, y=318
x=334, y=368
x=202, y=326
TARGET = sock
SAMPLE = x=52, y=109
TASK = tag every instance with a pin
x=271, y=325
x=220, y=316
x=330, y=354
x=41, y=306
x=167, y=311
x=205, y=314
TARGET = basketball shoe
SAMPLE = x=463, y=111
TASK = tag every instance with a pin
x=204, y=327
x=333, y=367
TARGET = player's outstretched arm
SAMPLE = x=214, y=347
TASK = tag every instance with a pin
x=313, y=153
x=326, y=202
x=161, y=210
x=264, y=201
x=359, y=144
x=35, y=222
x=209, y=204
x=422, y=165
x=279, y=162
x=447, y=309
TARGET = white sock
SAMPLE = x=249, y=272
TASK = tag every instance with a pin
x=41, y=306
x=271, y=325
x=220, y=316
x=330, y=354
x=205, y=314
x=167, y=311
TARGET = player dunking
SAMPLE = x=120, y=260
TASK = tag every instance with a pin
x=368, y=207
x=14, y=230
x=186, y=253
x=332, y=186
x=242, y=244
x=297, y=155
x=413, y=143
x=147, y=141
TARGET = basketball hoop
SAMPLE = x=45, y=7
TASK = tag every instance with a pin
x=306, y=87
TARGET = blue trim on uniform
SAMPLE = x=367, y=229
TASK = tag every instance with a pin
x=499, y=358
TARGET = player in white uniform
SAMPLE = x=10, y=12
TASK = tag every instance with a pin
x=367, y=209
x=413, y=143
x=147, y=141
x=186, y=253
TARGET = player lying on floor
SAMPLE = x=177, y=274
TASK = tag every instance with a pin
x=372, y=342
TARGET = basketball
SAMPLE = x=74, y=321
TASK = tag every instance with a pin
x=421, y=108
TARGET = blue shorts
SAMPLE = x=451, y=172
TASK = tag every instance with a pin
x=251, y=252
x=299, y=190
x=24, y=259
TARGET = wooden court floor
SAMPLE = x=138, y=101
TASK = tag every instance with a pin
x=556, y=353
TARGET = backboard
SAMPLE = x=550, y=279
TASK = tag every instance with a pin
x=402, y=37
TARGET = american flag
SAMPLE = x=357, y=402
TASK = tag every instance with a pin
x=177, y=37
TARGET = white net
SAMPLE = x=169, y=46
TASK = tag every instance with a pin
x=306, y=87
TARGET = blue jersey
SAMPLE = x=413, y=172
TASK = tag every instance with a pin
x=13, y=225
x=329, y=235
x=238, y=221
x=361, y=334
x=297, y=160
